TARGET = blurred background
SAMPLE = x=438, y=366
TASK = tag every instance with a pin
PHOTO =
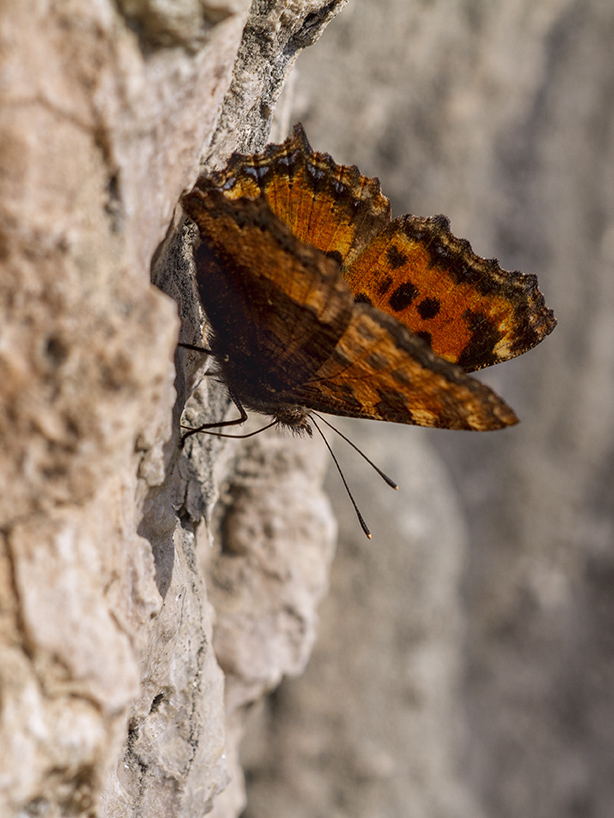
x=465, y=661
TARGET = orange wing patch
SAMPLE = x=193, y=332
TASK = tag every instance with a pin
x=467, y=308
x=332, y=207
x=380, y=371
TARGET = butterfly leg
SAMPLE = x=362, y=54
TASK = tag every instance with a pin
x=220, y=424
x=194, y=348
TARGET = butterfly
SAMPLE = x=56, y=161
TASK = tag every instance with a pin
x=318, y=302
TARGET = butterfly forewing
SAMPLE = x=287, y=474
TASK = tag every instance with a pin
x=329, y=206
x=467, y=308
x=275, y=299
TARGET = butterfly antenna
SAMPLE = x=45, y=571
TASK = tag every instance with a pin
x=384, y=476
x=361, y=519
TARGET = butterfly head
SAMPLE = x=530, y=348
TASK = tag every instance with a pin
x=294, y=418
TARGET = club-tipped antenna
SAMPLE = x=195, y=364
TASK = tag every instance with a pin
x=382, y=474
x=361, y=519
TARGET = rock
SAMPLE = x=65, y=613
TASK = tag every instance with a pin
x=111, y=696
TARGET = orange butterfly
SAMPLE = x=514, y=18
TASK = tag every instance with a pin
x=318, y=301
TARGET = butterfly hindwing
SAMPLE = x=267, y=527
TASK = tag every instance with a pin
x=380, y=371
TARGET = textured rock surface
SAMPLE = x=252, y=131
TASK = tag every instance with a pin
x=110, y=693
x=267, y=573
x=500, y=116
x=88, y=123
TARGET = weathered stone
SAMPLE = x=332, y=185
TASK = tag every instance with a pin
x=111, y=695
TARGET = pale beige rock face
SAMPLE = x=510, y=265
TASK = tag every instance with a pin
x=111, y=699
x=88, y=123
x=267, y=573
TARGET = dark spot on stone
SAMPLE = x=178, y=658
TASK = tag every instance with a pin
x=402, y=297
x=361, y=298
x=429, y=308
x=56, y=350
x=311, y=27
x=157, y=702
x=384, y=285
x=113, y=204
x=395, y=258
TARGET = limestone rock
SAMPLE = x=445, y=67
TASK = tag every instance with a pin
x=111, y=697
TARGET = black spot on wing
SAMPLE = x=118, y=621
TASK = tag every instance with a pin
x=426, y=336
x=403, y=296
x=392, y=405
x=429, y=308
x=361, y=298
x=336, y=255
x=479, y=352
x=395, y=258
